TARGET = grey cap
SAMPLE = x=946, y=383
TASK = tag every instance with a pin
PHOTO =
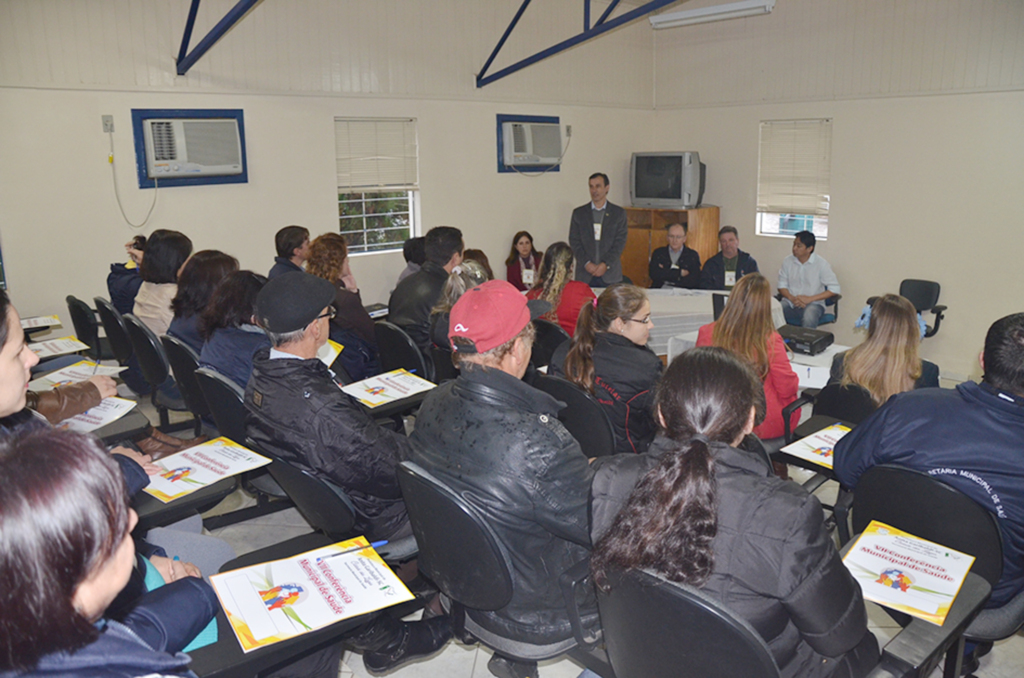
x=291, y=301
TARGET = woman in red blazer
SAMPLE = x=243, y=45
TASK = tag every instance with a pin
x=746, y=329
x=523, y=262
x=556, y=286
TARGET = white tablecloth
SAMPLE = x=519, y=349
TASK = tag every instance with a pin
x=677, y=311
x=813, y=370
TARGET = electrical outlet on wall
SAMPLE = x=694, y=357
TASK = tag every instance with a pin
x=108, y=124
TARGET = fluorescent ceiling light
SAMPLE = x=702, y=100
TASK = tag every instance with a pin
x=704, y=15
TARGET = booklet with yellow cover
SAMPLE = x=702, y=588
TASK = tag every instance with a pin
x=387, y=387
x=907, y=573
x=193, y=469
x=52, y=347
x=270, y=602
x=818, y=448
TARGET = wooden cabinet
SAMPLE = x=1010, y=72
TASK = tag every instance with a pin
x=647, y=233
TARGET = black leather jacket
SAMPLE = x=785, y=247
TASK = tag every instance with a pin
x=497, y=442
x=410, y=303
x=774, y=563
x=297, y=412
x=712, y=277
x=625, y=376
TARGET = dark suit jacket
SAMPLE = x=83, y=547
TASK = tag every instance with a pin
x=612, y=243
x=662, y=273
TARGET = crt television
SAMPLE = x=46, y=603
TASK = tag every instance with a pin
x=666, y=180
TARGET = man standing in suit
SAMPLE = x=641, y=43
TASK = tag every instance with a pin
x=675, y=265
x=597, y=235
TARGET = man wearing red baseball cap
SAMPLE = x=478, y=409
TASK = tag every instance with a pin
x=497, y=441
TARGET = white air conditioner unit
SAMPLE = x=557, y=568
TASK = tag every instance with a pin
x=189, y=147
x=531, y=144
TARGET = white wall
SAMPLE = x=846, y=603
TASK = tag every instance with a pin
x=927, y=151
x=62, y=228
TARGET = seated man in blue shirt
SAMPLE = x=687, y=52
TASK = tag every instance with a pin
x=805, y=282
x=675, y=265
x=969, y=437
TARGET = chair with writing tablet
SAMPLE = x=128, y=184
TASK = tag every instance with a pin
x=549, y=337
x=924, y=506
x=656, y=628
x=184, y=362
x=87, y=329
x=156, y=370
x=397, y=351
x=461, y=554
x=227, y=407
x=584, y=417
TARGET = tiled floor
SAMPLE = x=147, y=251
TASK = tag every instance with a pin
x=460, y=661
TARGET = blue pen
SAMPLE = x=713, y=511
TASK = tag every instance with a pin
x=373, y=545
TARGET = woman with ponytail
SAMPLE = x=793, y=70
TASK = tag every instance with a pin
x=608, y=357
x=700, y=511
x=746, y=329
x=556, y=286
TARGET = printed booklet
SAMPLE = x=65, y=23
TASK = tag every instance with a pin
x=193, y=469
x=818, y=448
x=906, y=573
x=270, y=602
x=387, y=387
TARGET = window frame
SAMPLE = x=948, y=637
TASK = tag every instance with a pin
x=800, y=159
x=358, y=165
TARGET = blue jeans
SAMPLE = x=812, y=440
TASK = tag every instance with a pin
x=809, y=316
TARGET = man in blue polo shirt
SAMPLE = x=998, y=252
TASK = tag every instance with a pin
x=970, y=437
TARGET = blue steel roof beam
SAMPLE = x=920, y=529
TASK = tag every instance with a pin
x=189, y=25
x=234, y=15
x=607, y=12
x=640, y=11
x=586, y=15
x=504, y=37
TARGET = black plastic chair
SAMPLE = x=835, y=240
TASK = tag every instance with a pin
x=156, y=370
x=851, y=403
x=444, y=370
x=87, y=329
x=397, y=351
x=115, y=329
x=184, y=362
x=924, y=295
x=461, y=554
x=549, y=337
x=926, y=507
x=325, y=506
x=227, y=407
x=654, y=628
x=584, y=417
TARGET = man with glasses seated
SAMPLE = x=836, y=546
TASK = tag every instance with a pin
x=297, y=411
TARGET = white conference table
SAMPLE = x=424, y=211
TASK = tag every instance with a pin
x=676, y=311
x=813, y=370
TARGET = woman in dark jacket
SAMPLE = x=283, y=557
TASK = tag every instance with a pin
x=351, y=326
x=609, y=358
x=754, y=542
x=227, y=326
x=199, y=278
x=63, y=569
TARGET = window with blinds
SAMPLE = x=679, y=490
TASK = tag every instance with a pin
x=794, y=177
x=378, y=181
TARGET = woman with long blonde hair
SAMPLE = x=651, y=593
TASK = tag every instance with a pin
x=887, y=362
x=746, y=329
x=556, y=286
x=609, y=358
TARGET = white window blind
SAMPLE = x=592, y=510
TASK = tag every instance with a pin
x=794, y=167
x=376, y=154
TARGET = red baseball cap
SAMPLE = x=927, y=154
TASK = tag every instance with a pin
x=491, y=314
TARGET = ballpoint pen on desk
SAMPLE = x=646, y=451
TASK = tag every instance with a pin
x=372, y=545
